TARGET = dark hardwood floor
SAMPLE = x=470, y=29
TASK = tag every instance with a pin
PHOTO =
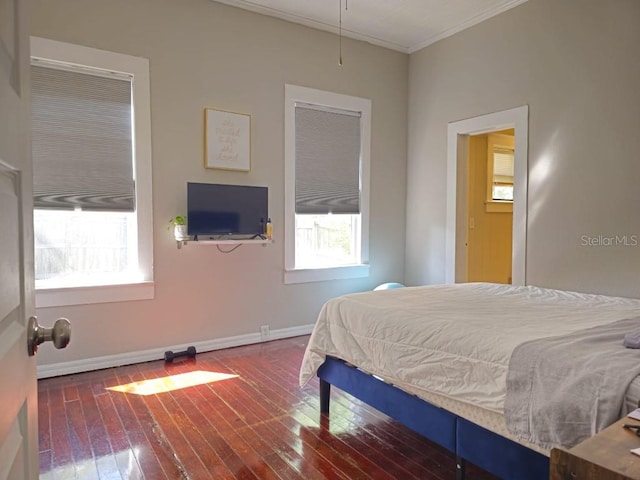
x=258, y=425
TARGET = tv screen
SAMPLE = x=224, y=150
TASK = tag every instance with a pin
x=214, y=209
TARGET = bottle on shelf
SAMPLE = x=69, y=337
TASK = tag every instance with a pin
x=269, y=229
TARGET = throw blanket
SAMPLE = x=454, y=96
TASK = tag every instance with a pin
x=564, y=389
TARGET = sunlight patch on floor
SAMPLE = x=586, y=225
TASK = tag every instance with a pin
x=171, y=382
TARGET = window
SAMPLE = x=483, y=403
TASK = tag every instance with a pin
x=502, y=187
x=92, y=175
x=327, y=144
x=500, y=170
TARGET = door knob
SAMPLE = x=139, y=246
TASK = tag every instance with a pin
x=59, y=334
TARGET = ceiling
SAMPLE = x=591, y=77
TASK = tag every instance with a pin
x=403, y=25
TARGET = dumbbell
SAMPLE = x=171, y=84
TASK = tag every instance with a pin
x=189, y=352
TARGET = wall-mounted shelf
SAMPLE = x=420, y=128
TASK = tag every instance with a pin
x=231, y=241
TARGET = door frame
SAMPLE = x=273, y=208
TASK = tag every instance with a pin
x=457, y=133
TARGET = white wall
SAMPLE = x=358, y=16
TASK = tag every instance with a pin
x=576, y=63
x=204, y=54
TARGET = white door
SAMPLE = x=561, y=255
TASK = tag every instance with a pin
x=18, y=392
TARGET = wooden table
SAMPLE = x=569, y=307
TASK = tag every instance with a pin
x=605, y=456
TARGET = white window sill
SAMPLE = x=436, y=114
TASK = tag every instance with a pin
x=58, y=297
x=324, y=274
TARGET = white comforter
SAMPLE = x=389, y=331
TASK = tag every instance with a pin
x=455, y=340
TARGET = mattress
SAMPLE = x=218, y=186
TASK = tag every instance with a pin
x=451, y=344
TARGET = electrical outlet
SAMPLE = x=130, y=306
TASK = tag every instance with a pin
x=264, y=332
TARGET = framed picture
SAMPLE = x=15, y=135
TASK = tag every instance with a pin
x=227, y=140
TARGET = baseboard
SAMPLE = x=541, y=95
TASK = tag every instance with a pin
x=97, y=363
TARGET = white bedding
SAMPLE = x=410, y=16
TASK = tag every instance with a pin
x=454, y=340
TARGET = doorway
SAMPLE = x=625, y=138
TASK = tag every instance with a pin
x=489, y=219
x=457, y=196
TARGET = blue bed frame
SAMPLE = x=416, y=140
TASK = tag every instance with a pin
x=468, y=441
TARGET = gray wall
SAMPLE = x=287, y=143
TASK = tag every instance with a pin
x=576, y=63
x=204, y=54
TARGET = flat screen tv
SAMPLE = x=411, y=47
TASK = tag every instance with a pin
x=214, y=209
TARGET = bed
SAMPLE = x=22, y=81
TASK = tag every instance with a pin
x=439, y=358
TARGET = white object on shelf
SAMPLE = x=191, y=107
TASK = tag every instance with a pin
x=180, y=233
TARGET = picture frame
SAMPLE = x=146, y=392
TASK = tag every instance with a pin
x=227, y=140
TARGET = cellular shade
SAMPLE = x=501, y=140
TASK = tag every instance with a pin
x=81, y=140
x=503, y=165
x=327, y=160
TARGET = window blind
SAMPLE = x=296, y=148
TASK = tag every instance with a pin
x=327, y=162
x=81, y=140
x=503, y=165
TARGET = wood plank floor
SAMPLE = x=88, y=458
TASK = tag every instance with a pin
x=258, y=425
